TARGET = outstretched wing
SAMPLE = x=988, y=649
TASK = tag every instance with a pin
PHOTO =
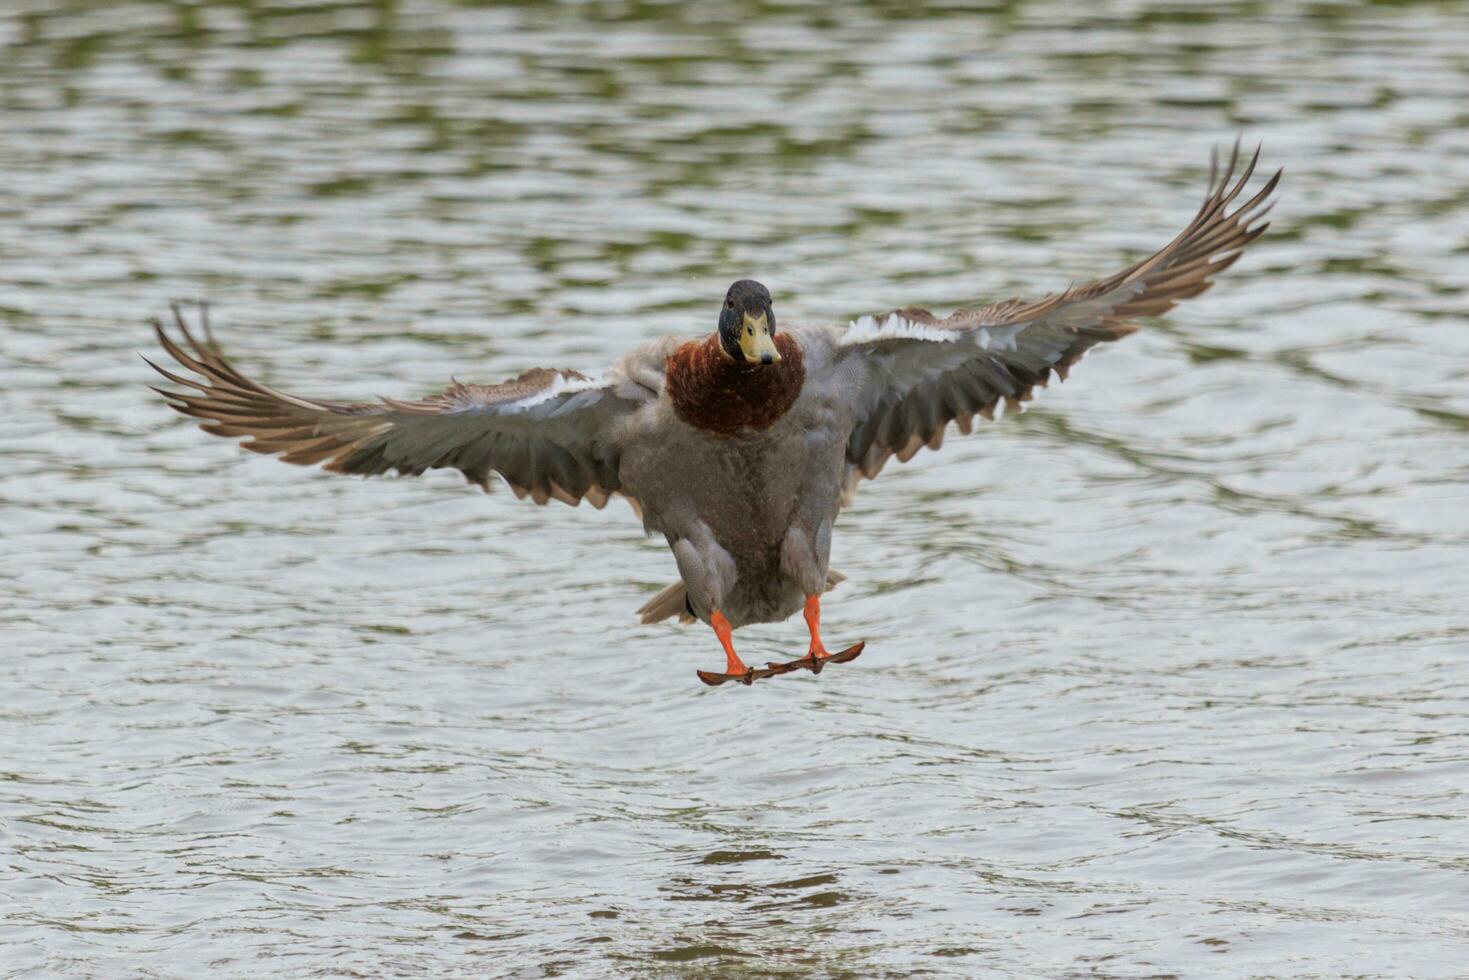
x=550, y=434
x=910, y=373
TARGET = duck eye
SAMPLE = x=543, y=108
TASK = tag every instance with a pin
x=729, y=304
x=750, y=331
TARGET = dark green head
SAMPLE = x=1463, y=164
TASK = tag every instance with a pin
x=747, y=324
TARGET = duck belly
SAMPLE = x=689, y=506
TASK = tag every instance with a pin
x=748, y=517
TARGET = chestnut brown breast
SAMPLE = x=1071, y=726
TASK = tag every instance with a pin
x=713, y=392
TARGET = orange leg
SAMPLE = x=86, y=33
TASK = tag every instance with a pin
x=725, y=632
x=813, y=622
x=735, y=669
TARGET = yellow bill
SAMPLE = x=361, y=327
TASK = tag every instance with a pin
x=756, y=342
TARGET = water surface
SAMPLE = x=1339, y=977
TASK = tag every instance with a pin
x=1166, y=676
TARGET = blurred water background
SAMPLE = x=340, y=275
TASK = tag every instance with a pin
x=1167, y=676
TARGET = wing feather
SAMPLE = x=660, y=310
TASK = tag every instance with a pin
x=916, y=372
x=550, y=434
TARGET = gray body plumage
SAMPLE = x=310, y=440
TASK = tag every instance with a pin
x=749, y=516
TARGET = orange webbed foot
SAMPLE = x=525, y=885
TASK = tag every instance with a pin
x=734, y=667
x=816, y=658
x=815, y=661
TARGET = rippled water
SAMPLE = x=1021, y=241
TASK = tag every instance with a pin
x=1167, y=676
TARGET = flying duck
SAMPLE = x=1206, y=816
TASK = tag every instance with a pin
x=741, y=447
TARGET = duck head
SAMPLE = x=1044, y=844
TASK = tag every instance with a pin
x=747, y=324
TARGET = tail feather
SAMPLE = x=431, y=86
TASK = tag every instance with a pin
x=674, y=601
x=669, y=602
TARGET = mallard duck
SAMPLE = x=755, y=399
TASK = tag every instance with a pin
x=740, y=447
